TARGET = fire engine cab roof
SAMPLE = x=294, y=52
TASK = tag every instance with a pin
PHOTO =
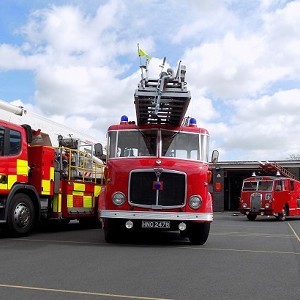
x=131, y=126
x=266, y=177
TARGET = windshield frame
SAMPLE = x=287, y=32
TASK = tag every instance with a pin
x=260, y=186
x=197, y=151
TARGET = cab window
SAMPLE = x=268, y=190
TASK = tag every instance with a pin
x=2, y=141
x=14, y=142
x=291, y=185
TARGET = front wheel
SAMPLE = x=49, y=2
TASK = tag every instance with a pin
x=198, y=233
x=91, y=222
x=282, y=216
x=111, y=231
x=251, y=217
x=21, y=215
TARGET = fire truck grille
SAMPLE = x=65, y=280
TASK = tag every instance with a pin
x=168, y=191
x=255, y=201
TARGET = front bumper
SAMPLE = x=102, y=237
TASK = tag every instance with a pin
x=260, y=212
x=146, y=215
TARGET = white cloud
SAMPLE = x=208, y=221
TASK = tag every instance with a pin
x=243, y=66
x=264, y=128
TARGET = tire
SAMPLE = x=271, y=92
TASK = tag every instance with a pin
x=251, y=217
x=282, y=216
x=21, y=215
x=198, y=233
x=90, y=223
x=111, y=231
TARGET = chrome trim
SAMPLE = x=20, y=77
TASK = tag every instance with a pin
x=157, y=206
x=180, y=216
x=157, y=172
x=80, y=210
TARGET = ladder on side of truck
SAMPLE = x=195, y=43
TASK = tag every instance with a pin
x=164, y=100
x=272, y=167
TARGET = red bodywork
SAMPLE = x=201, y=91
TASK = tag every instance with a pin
x=141, y=179
x=32, y=186
x=270, y=196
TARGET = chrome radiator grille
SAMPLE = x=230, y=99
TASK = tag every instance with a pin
x=255, y=201
x=148, y=188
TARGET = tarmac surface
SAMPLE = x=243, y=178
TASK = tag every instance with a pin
x=241, y=260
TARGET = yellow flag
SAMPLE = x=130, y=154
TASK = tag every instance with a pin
x=143, y=53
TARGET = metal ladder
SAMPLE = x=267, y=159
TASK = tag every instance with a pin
x=272, y=167
x=164, y=100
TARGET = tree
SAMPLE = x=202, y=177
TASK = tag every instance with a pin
x=294, y=157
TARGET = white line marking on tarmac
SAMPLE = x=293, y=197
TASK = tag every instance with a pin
x=296, y=235
x=238, y=234
x=241, y=250
x=77, y=292
x=56, y=241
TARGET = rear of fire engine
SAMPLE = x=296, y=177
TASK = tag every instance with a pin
x=157, y=170
x=275, y=195
x=39, y=181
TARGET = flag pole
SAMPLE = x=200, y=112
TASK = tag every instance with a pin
x=141, y=66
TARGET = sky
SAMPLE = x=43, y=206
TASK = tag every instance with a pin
x=76, y=63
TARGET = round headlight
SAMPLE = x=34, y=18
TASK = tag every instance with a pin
x=244, y=205
x=195, y=202
x=118, y=198
x=267, y=205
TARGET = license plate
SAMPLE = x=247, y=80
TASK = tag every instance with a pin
x=155, y=224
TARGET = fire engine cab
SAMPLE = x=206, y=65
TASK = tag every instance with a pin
x=271, y=195
x=40, y=181
x=157, y=172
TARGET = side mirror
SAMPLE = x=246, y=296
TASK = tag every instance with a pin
x=215, y=156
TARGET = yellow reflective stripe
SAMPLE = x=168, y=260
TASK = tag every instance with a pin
x=57, y=203
x=75, y=193
x=46, y=184
x=97, y=189
x=3, y=186
x=79, y=187
x=22, y=167
x=11, y=180
x=87, y=201
x=45, y=187
x=51, y=173
x=69, y=200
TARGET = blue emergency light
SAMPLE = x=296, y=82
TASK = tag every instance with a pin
x=124, y=119
x=193, y=122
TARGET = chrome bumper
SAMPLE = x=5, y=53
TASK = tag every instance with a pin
x=143, y=215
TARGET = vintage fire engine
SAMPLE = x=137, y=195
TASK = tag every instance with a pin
x=39, y=181
x=267, y=195
x=157, y=172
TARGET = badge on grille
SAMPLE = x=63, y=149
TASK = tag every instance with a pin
x=158, y=185
x=158, y=172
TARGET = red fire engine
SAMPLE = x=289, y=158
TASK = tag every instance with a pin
x=157, y=172
x=39, y=181
x=277, y=195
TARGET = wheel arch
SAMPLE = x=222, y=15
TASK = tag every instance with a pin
x=287, y=207
x=30, y=191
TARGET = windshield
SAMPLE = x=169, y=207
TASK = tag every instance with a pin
x=266, y=186
x=167, y=143
x=184, y=145
x=132, y=143
x=263, y=186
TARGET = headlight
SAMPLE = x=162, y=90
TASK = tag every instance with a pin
x=118, y=198
x=195, y=202
x=244, y=205
x=267, y=205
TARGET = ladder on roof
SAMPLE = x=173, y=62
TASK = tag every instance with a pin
x=164, y=100
x=272, y=167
